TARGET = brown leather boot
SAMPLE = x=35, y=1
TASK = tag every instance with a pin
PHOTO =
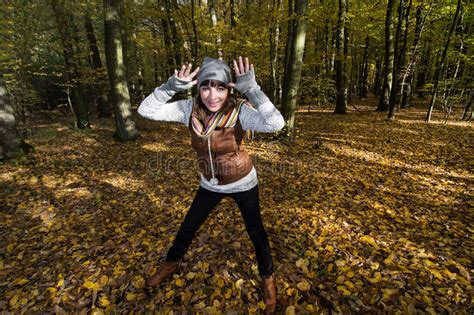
x=166, y=269
x=269, y=295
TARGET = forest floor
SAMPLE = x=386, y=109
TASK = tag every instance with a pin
x=363, y=216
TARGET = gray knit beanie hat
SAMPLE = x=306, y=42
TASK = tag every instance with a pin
x=214, y=69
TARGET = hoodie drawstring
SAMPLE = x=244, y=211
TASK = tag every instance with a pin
x=214, y=180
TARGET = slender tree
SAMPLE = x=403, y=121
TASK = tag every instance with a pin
x=378, y=74
x=392, y=101
x=171, y=61
x=467, y=113
x=441, y=65
x=195, y=32
x=125, y=126
x=294, y=73
x=341, y=103
x=288, y=54
x=175, y=36
x=364, y=71
x=448, y=88
x=213, y=14
x=65, y=21
x=407, y=76
x=389, y=56
x=102, y=99
x=274, y=37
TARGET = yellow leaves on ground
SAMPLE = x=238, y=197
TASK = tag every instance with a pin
x=104, y=302
x=387, y=293
x=290, y=310
x=372, y=219
x=131, y=296
x=389, y=259
x=20, y=281
x=377, y=278
x=369, y=240
x=343, y=290
x=303, y=264
x=238, y=283
x=91, y=285
x=304, y=285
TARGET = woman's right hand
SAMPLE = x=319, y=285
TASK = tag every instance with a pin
x=183, y=79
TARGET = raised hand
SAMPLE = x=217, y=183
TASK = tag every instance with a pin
x=245, y=75
x=242, y=66
x=183, y=79
x=185, y=73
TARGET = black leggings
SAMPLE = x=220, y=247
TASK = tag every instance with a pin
x=204, y=202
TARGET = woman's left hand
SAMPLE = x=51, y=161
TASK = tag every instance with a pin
x=245, y=75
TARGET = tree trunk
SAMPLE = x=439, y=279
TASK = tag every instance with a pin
x=175, y=36
x=233, y=22
x=288, y=55
x=102, y=99
x=378, y=74
x=457, y=72
x=212, y=12
x=233, y=25
x=171, y=62
x=333, y=54
x=447, y=104
x=326, y=59
x=467, y=114
x=410, y=68
x=389, y=56
x=195, y=33
x=348, y=88
x=341, y=103
x=64, y=20
x=294, y=73
x=274, y=41
x=12, y=144
x=422, y=75
x=401, y=62
x=364, y=85
x=398, y=57
x=155, y=55
x=441, y=64
x=125, y=126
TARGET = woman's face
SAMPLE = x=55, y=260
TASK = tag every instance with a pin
x=213, y=95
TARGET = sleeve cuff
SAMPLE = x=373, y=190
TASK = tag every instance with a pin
x=256, y=96
x=164, y=88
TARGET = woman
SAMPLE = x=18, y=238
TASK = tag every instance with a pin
x=217, y=121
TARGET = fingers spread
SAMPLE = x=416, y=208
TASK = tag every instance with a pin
x=236, y=68
x=241, y=66
x=193, y=74
x=181, y=71
x=188, y=69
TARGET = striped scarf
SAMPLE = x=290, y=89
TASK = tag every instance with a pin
x=217, y=120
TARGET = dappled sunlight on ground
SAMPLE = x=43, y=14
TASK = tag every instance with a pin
x=363, y=216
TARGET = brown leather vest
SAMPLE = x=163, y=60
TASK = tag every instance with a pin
x=231, y=162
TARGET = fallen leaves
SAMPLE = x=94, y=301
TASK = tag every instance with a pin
x=376, y=218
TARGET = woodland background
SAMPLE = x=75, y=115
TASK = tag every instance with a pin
x=366, y=193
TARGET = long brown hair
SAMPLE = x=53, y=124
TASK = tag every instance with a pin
x=200, y=110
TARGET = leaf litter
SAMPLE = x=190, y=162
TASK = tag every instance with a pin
x=363, y=215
